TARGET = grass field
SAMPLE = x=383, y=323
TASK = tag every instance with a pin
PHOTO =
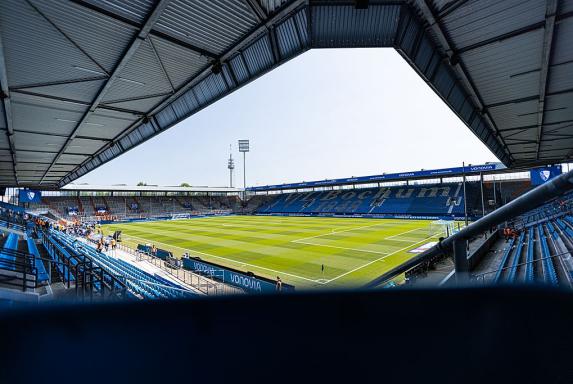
x=353, y=251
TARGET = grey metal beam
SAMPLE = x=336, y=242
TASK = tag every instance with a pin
x=61, y=82
x=78, y=102
x=5, y=96
x=119, y=18
x=128, y=54
x=459, y=67
x=256, y=33
x=258, y=11
x=550, y=14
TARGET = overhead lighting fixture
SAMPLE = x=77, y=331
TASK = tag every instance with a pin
x=75, y=122
x=89, y=70
x=131, y=81
x=66, y=120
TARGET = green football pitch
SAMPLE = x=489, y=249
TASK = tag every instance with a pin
x=353, y=251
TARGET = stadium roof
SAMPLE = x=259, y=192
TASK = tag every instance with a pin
x=83, y=81
x=489, y=168
x=147, y=188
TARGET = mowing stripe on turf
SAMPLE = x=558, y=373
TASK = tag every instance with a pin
x=335, y=246
x=380, y=258
x=335, y=232
x=227, y=259
x=403, y=233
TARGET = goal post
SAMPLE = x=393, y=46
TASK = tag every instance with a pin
x=443, y=228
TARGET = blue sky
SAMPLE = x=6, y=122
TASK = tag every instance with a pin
x=325, y=114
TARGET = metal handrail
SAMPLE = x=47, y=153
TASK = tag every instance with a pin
x=532, y=199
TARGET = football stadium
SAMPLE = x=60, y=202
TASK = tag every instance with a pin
x=447, y=274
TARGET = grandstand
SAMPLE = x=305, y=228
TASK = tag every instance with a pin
x=84, y=81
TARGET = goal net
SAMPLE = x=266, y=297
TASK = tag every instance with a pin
x=443, y=228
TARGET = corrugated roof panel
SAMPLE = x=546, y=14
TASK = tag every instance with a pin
x=209, y=89
x=213, y=25
x=271, y=6
x=180, y=63
x=566, y=6
x=82, y=91
x=479, y=20
x=561, y=78
x=301, y=20
x=439, y=5
x=37, y=52
x=32, y=141
x=562, y=49
x=344, y=26
x=106, y=124
x=166, y=116
x=42, y=115
x=141, y=105
x=507, y=70
x=288, y=40
x=443, y=80
x=141, y=76
x=259, y=56
x=559, y=108
x=515, y=114
x=101, y=37
x=71, y=159
x=136, y=10
x=2, y=120
x=239, y=69
x=184, y=105
x=84, y=146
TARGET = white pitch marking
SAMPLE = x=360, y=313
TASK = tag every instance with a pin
x=400, y=234
x=335, y=246
x=335, y=232
x=224, y=258
x=380, y=258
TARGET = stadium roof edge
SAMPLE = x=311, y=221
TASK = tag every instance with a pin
x=72, y=101
x=146, y=188
x=469, y=169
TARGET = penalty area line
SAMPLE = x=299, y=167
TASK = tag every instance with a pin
x=380, y=258
x=227, y=259
x=337, y=247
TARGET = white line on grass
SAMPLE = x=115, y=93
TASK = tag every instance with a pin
x=403, y=233
x=336, y=232
x=335, y=246
x=378, y=259
x=224, y=258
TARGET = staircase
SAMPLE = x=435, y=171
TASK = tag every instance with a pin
x=80, y=205
x=107, y=207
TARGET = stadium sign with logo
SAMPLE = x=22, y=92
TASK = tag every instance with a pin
x=247, y=282
x=542, y=175
x=29, y=196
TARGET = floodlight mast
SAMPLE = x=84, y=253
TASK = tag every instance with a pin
x=231, y=166
x=244, y=147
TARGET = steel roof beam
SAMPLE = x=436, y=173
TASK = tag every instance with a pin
x=551, y=11
x=258, y=11
x=256, y=33
x=128, y=54
x=5, y=96
x=61, y=82
x=124, y=20
x=78, y=102
x=459, y=67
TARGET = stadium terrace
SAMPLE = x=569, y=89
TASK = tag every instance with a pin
x=461, y=274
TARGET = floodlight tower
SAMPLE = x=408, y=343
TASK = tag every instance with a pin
x=231, y=166
x=244, y=147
